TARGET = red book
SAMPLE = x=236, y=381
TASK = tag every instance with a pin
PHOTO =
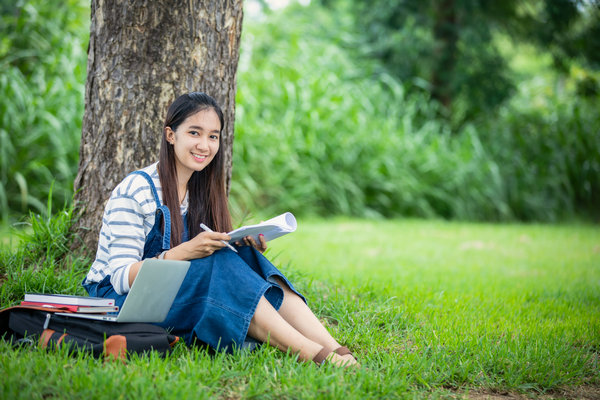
x=72, y=308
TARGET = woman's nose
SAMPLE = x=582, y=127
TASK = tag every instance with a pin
x=202, y=143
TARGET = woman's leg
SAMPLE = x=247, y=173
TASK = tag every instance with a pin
x=295, y=311
x=267, y=325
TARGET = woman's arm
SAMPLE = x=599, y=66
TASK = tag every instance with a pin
x=123, y=234
x=203, y=245
x=133, y=271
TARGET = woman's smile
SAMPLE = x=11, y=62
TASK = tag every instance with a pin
x=199, y=157
x=198, y=136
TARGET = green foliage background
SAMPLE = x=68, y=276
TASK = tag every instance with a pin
x=320, y=128
x=43, y=67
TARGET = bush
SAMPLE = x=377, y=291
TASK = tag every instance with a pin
x=319, y=131
x=43, y=58
x=550, y=160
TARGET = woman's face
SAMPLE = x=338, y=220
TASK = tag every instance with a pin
x=195, y=141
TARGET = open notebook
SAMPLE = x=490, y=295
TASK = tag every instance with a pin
x=150, y=296
x=271, y=229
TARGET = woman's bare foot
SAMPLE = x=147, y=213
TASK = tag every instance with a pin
x=347, y=360
x=340, y=357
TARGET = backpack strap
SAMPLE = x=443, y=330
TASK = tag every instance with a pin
x=115, y=347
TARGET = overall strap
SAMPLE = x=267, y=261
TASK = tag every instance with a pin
x=161, y=211
x=152, y=187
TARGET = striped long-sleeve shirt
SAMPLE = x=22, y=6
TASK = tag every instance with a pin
x=127, y=221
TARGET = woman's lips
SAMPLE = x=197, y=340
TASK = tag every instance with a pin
x=199, y=158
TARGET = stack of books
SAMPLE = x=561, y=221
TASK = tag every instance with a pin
x=69, y=303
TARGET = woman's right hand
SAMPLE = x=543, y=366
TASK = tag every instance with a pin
x=203, y=245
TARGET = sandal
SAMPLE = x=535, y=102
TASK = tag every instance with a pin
x=321, y=356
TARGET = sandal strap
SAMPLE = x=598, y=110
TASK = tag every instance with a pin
x=342, y=351
x=321, y=356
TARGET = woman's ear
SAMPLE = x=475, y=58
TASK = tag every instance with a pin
x=169, y=135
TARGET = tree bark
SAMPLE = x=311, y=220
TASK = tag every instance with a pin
x=445, y=34
x=142, y=55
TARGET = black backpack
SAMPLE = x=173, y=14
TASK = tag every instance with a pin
x=25, y=324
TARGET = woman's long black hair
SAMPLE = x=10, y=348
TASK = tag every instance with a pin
x=206, y=188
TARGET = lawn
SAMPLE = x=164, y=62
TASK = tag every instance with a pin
x=432, y=309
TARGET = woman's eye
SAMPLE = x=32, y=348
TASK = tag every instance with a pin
x=194, y=133
x=216, y=137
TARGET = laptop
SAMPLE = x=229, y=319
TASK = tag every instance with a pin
x=151, y=295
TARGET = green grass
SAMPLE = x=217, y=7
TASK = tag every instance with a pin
x=432, y=309
x=36, y=255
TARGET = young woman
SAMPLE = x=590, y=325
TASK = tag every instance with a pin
x=227, y=299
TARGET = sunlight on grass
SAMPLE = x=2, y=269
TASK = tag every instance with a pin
x=441, y=254
x=433, y=309
x=467, y=303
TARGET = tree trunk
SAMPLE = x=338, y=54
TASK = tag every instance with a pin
x=142, y=55
x=445, y=34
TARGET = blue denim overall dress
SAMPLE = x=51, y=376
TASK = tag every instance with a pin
x=219, y=294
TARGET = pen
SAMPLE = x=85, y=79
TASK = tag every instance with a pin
x=207, y=229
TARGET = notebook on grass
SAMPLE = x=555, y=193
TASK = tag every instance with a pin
x=151, y=294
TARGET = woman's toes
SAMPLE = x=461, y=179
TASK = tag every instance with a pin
x=346, y=360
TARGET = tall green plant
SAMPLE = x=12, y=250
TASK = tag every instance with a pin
x=42, y=59
x=320, y=132
x=42, y=260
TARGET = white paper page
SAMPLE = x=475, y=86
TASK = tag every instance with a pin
x=272, y=228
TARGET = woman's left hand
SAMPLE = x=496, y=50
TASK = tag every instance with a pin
x=249, y=241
